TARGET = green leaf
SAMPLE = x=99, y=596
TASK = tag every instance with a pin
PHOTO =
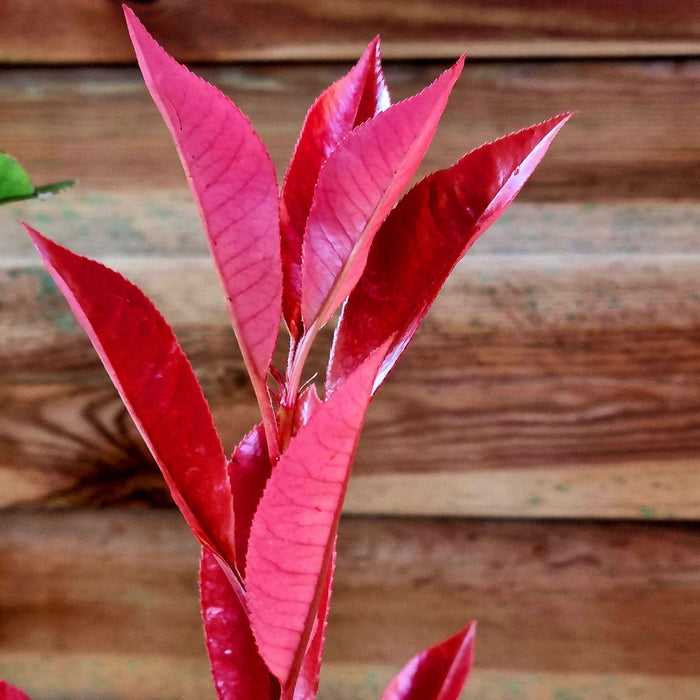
x=14, y=181
x=15, y=184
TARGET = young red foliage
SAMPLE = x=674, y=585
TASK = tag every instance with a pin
x=422, y=240
x=268, y=517
x=158, y=386
x=294, y=528
x=357, y=187
x=438, y=673
x=353, y=99
x=233, y=181
x=9, y=692
x=237, y=667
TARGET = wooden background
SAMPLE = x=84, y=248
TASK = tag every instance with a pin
x=533, y=462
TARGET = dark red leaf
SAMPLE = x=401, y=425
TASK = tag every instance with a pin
x=357, y=187
x=157, y=385
x=233, y=180
x=249, y=469
x=294, y=528
x=238, y=670
x=354, y=98
x=438, y=673
x=423, y=239
x=9, y=692
x=310, y=673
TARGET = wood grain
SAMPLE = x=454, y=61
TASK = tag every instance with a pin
x=107, y=600
x=246, y=30
x=556, y=376
x=633, y=136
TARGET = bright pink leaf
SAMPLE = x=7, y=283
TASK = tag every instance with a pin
x=249, y=469
x=157, y=385
x=422, y=240
x=310, y=673
x=233, y=181
x=353, y=99
x=9, y=692
x=238, y=670
x=291, y=541
x=357, y=188
x=438, y=673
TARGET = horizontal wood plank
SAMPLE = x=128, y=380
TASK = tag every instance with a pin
x=151, y=676
x=246, y=30
x=556, y=376
x=632, y=136
x=98, y=604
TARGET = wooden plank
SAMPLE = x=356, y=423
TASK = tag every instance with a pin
x=627, y=489
x=557, y=384
x=160, y=224
x=157, y=677
x=89, y=32
x=99, y=604
x=630, y=139
x=366, y=682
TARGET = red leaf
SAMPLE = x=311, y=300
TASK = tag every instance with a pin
x=233, y=180
x=357, y=187
x=157, y=385
x=249, y=470
x=422, y=240
x=438, y=673
x=9, y=692
x=238, y=670
x=291, y=541
x=353, y=99
x=310, y=673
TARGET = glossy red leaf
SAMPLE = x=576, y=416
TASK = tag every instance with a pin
x=238, y=670
x=233, y=181
x=422, y=240
x=438, y=673
x=291, y=541
x=357, y=187
x=249, y=469
x=357, y=96
x=158, y=387
x=310, y=672
x=9, y=692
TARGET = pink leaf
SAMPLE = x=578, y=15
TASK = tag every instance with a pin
x=291, y=541
x=249, y=470
x=423, y=239
x=353, y=99
x=157, y=385
x=310, y=672
x=233, y=181
x=9, y=692
x=357, y=188
x=438, y=673
x=238, y=670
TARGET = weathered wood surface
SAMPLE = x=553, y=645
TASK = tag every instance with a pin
x=103, y=604
x=634, y=136
x=557, y=375
x=84, y=31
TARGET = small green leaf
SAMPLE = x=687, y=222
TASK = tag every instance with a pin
x=15, y=184
x=14, y=181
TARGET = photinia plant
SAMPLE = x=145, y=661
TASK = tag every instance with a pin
x=336, y=235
